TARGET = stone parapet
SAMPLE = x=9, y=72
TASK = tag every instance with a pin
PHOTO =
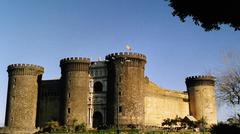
x=126, y=55
x=200, y=80
x=25, y=69
x=75, y=64
x=74, y=60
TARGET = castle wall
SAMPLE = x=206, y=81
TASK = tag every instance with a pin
x=113, y=91
x=75, y=77
x=203, y=104
x=161, y=104
x=126, y=89
x=49, y=102
x=202, y=98
x=22, y=96
x=97, y=94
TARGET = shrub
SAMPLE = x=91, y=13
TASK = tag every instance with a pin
x=132, y=126
x=53, y=127
x=182, y=123
x=80, y=127
x=222, y=128
x=50, y=126
x=201, y=124
x=234, y=120
x=103, y=127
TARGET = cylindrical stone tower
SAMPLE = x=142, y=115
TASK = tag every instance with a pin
x=22, y=96
x=202, y=99
x=75, y=80
x=125, y=96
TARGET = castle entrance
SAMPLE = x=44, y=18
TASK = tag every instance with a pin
x=97, y=119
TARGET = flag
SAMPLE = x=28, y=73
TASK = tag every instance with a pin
x=128, y=47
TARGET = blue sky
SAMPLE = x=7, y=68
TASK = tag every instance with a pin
x=44, y=31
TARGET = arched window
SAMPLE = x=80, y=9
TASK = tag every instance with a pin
x=98, y=87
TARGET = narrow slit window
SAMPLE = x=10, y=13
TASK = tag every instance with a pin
x=120, y=109
x=69, y=110
x=120, y=93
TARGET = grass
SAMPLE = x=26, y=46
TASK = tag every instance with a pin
x=130, y=132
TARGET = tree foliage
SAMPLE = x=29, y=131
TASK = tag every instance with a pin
x=229, y=86
x=210, y=14
x=222, y=128
x=234, y=120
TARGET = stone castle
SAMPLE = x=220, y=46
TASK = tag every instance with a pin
x=112, y=92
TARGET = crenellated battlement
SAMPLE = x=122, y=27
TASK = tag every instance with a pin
x=126, y=55
x=75, y=64
x=25, y=69
x=200, y=80
x=14, y=66
x=201, y=77
x=75, y=59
